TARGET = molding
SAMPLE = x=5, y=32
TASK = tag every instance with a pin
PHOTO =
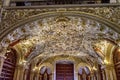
x=65, y=6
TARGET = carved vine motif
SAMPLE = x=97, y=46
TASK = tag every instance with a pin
x=12, y=16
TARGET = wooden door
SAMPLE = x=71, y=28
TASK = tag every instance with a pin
x=64, y=72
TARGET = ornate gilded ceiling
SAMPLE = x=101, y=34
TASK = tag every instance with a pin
x=86, y=33
x=61, y=35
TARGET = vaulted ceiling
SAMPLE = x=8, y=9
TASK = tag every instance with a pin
x=81, y=37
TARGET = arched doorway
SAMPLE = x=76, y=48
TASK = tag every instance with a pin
x=45, y=73
x=9, y=64
x=84, y=73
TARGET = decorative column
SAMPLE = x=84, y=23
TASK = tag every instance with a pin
x=19, y=72
x=103, y=74
x=95, y=74
x=2, y=58
x=32, y=75
x=92, y=75
x=25, y=74
x=110, y=72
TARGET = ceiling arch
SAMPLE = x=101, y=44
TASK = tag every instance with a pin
x=110, y=24
x=45, y=66
x=82, y=65
x=64, y=57
x=67, y=32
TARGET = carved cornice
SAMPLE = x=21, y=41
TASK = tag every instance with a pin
x=64, y=6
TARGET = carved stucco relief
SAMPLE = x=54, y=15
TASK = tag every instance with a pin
x=52, y=43
x=12, y=16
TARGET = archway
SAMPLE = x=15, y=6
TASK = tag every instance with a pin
x=66, y=30
x=84, y=73
x=45, y=73
x=65, y=13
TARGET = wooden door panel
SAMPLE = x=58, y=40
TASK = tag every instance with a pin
x=64, y=72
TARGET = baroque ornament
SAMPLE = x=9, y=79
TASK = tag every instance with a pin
x=60, y=35
x=11, y=16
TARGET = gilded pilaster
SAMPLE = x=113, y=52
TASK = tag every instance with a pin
x=98, y=74
x=19, y=72
x=103, y=74
x=34, y=75
x=110, y=72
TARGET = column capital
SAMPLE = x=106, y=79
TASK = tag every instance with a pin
x=34, y=71
x=18, y=66
x=109, y=66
